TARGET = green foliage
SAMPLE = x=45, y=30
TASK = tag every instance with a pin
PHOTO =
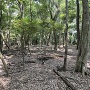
x=26, y=25
x=40, y=15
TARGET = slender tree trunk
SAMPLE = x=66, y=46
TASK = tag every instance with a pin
x=84, y=40
x=66, y=38
x=22, y=46
x=48, y=39
x=63, y=37
x=55, y=39
x=41, y=38
x=30, y=36
x=8, y=38
x=21, y=7
x=54, y=18
x=77, y=21
x=30, y=10
x=59, y=38
x=8, y=25
x=1, y=43
x=0, y=26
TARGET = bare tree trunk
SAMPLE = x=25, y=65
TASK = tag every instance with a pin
x=84, y=40
x=21, y=7
x=55, y=39
x=8, y=25
x=54, y=18
x=0, y=26
x=1, y=43
x=66, y=38
x=41, y=38
x=48, y=39
x=30, y=36
x=22, y=46
x=77, y=20
x=59, y=38
x=63, y=39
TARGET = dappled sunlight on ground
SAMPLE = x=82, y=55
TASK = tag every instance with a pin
x=8, y=57
x=35, y=75
x=88, y=65
x=5, y=81
x=1, y=68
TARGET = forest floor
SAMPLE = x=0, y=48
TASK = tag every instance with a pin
x=37, y=72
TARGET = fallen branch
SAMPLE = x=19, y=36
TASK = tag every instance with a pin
x=65, y=80
x=30, y=62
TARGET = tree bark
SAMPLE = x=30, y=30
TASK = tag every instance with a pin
x=66, y=38
x=84, y=40
x=55, y=39
x=54, y=18
x=77, y=22
x=0, y=26
x=21, y=7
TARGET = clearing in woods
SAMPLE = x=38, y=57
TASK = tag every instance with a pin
x=37, y=72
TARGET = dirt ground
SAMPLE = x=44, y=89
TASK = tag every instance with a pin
x=37, y=72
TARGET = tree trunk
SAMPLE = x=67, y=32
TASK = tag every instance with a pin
x=63, y=39
x=84, y=40
x=8, y=25
x=1, y=43
x=77, y=22
x=54, y=19
x=55, y=39
x=23, y=47
x=41, y=38
x=59, y=38
x=0, y=26
x=21, y=7
x=48, y=39
x=66, y=38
